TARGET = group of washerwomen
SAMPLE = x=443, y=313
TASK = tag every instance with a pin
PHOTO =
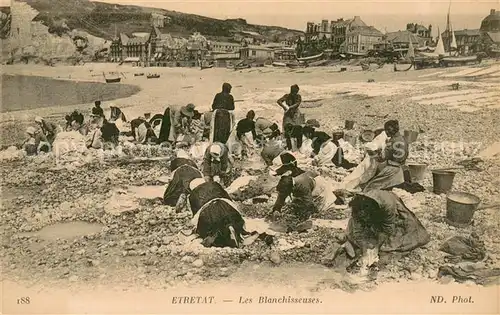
x=376, y=212
x=379, y=218
x=100, y=132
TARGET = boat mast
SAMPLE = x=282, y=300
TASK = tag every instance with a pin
x=448, y=27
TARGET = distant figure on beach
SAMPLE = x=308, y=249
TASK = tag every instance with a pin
x=94, y=137
x=110, y=134
x=142, y=131
x=240, y=135
x=176, y=122
x=292, y=118
x=116, y=113
x=224, y=99
x=217, y=164
x=75, y=116
x=265, y=128
x=36, y=142
x=97, y=110
x=49, y=129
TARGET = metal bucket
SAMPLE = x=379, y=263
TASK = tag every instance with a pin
x=417, y=171
x=410, y=136
x=442, y=181
x=349, y=124
x=367, y=135
x=460, y=208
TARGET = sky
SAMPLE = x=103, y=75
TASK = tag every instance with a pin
x=386, y=15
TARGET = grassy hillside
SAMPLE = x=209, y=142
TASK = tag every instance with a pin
x=100, y=19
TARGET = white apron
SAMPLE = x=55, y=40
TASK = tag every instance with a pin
x=326, y=153
x=323, y=194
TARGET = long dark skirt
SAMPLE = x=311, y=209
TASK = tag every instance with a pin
x=204, y=193
x=339, y=160
x=116, y=113
x=178, y=162
x=215, y=222
x=165, y=126
x=293, y=132
x=221, y=126
x=180, y=184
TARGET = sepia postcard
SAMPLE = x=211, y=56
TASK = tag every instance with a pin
x=250, y=157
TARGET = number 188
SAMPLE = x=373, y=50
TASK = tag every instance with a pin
x=24, y=300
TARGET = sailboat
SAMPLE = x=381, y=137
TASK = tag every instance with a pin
x=447, y=59
x=410, y=56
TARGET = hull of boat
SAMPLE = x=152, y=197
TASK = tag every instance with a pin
x=279, y=64
x=458, y=61
x=311, y=58
x=113, y=80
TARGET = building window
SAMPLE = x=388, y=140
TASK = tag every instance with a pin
x=362, y=47
x=254, y=53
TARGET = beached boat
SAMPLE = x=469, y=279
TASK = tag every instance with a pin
x=153, y=76
x=279, y=64
x=446, y=59
x=239, y=67
x=297, y=65
x=311, y=58
x=138, y=74
x=111, y=78
x=408, y=60
x=458, y=60
x=210, y=66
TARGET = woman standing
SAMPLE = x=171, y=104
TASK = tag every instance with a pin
x=222, y=120
x=292, y=119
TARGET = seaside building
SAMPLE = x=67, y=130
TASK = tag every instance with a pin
x=361, y=39
x=117, y=48
x=335, y=32
x=135, y=50
x=467, y=40
x=256, y=52
x=491, y=23
x=400, y=40
x=224, y=46
x=421, y=31
x=282, y=51
x=490, y=33
x=166, y=48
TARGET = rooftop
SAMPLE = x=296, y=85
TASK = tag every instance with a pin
x=475, y=32
x=495, y=37
x=366, y=30
x=224, y=43
x=256, y=47
x=402, y=37
x=138, y=40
